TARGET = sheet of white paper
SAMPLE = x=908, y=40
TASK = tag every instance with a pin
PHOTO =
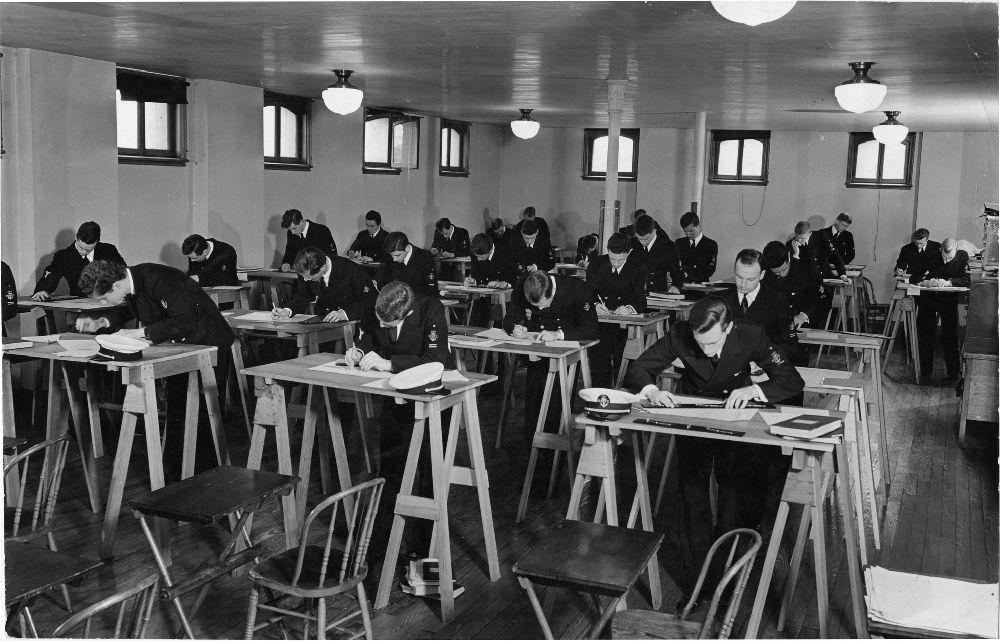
x=562, y=344
x=697, y=412
x=498, y=334
x=771, y=416
x=265, y=317
x=229, y=312
x=467, y=341
x=80, y=347
x=453, y=376
x=51, y=338
x=381, y=383
x=227, y=287
x=339, y=367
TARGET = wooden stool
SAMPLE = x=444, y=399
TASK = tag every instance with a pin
x=838, y=316
x=587, y=557
x=903, y=313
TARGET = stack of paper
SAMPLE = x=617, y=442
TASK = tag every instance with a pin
x=932, y=604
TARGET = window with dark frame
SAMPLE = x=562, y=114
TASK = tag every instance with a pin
x=739, y=157
x=454, y=148
x=391, y=141
x=595, y=150
x=150, y=111
x=870, y=164
x=286, y=132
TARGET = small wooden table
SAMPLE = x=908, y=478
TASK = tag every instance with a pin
x=427, y=412
x=463, y=263
x=563, y=362
x=705, y=288
x=372, y=265
x=643, y=331
x=238, y=295
x=497, y=295
x=680, y=309
x=272, y=276
x=570, y=269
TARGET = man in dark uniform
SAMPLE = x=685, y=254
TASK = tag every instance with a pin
x=629, y=230
x=211, y=262
x=411, y=265
x=716, y=353
x=586, y=249
x=697, y=252
x=766, y=307
x=369, y=246
x=816, y=251
x=559, y=308
x=304, y=233
x=540, y=224
x=450, y=242
x=171, y=307
x=532, y=250
x=949, y=269
x=795, y=281
x=618, y=280
x=914, y=254
x=69, y=262
x=400, y=329
x=660, y=255
x=837, y=237
x=9, y=293
x=500, y=233
x=492, y=266
x=337, y=285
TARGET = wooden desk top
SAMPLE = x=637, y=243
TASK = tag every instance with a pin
x=667, y=303
x=843, y=339
x=278, y=327
x=535, y=349
x=649, y=318
x=154, y=354
x=32, y=569
x=222, y=289
x=297, y=370
x=454, y=259
x=11, y=443
x=65, y=303
x=373, y=264
x=454, y=287
x=702, y=287
x=266, y=273
x=980, y=348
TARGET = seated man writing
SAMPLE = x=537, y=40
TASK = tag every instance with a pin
x=336, y=285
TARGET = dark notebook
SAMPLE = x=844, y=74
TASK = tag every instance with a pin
x=806, y=426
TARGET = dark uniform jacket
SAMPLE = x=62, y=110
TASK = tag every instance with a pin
x=697, y=262
x=843, y=243
x=582, y=254
x=543, y=229
x=539, y=254
x=68, y=263
x=317, y=236
x=625, y=288
x=699, y=376
x=661, y=260
x=820, y=256
x=573, y=310
x=911, y=258
x=801, y=289
x=769, y=310
x=172, y=307
x=349, y=287
x=218, y=269
x=423, y=337
x=9, y=291
x=499, y=268
x=507, y=239
x=956, y=270
x=419, y=273
x=371, y=246
x=458, y=244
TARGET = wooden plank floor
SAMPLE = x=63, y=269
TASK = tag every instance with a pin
x=941, y=518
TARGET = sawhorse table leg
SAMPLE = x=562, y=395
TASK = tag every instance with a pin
x=271, y=412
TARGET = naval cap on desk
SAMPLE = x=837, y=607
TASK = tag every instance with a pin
x=422, y=379
x=115, y=347
x=601, y=403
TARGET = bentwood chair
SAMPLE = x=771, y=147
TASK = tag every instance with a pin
x=643, y=624
x=37, y=475
x=322, y=567
x=134, y=607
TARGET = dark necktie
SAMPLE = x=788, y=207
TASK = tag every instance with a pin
x=743, y=304
x=715, y=360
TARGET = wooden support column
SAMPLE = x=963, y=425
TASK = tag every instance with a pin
x=698, y=188
x=616, y=97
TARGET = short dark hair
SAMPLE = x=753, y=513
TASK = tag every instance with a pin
x=89, y=233
x=748, y=257
x=707, y=312
x=529, y=227
x=618, y=243
x=442, y=224
x=537, y=285
x=394, y=301
x=588, y=243
x=920, y=234
x=373, y=216
x=689, y=218
x=637, y=213
x=775, y=254
x=309, y=261
x=644, y=224
x=845, y=217
x=481, y=245
x=194, y=244
x=802, y=227
x=291, y=217
x=497, y=224
x=396, y=241
x=529, y=211
x=97, y=278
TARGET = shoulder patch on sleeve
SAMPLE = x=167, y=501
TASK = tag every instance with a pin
x=776, y=357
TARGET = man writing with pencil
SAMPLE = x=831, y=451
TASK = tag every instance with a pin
x=713, y=353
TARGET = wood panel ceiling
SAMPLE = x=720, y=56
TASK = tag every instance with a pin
x=481, y=61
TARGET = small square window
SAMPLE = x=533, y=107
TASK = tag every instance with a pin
x=739, y=157
x=595, y=150
x=286, y=132
x=391, y=141
x=150, y=112
x=454, y=148
x=874, y=165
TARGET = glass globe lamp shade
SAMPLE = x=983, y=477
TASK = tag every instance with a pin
x=890, y=132
x=753, y=13
x=342, y=97
x=860, y=93
x=524, y=127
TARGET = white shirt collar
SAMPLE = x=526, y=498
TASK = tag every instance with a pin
x=492, y=251
x=697, y=239
x=131, y=284
x=329, y=271
x=305, y=230
x=408, y=254
x=751, y=297
x=211, y=248
x=651, y=243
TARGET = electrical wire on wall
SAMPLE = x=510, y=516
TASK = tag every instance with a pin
x=878, y=214
x=760, y=214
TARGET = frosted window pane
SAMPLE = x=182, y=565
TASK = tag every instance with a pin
x=445, y=159
x=753, y=158
x=626, y=149
x=157, y=129
x=894, y=162
x=455, y=151
x=377, y=140
x=728, y=152
x=128, y=123
x=289, y=134
x=269, y=131
x=599, y=156
x=866, y=164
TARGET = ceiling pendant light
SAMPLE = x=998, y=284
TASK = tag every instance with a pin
x=342, y=97
x=524, y=127
x=860, y=93
x=890, y=132
x=752, y=13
